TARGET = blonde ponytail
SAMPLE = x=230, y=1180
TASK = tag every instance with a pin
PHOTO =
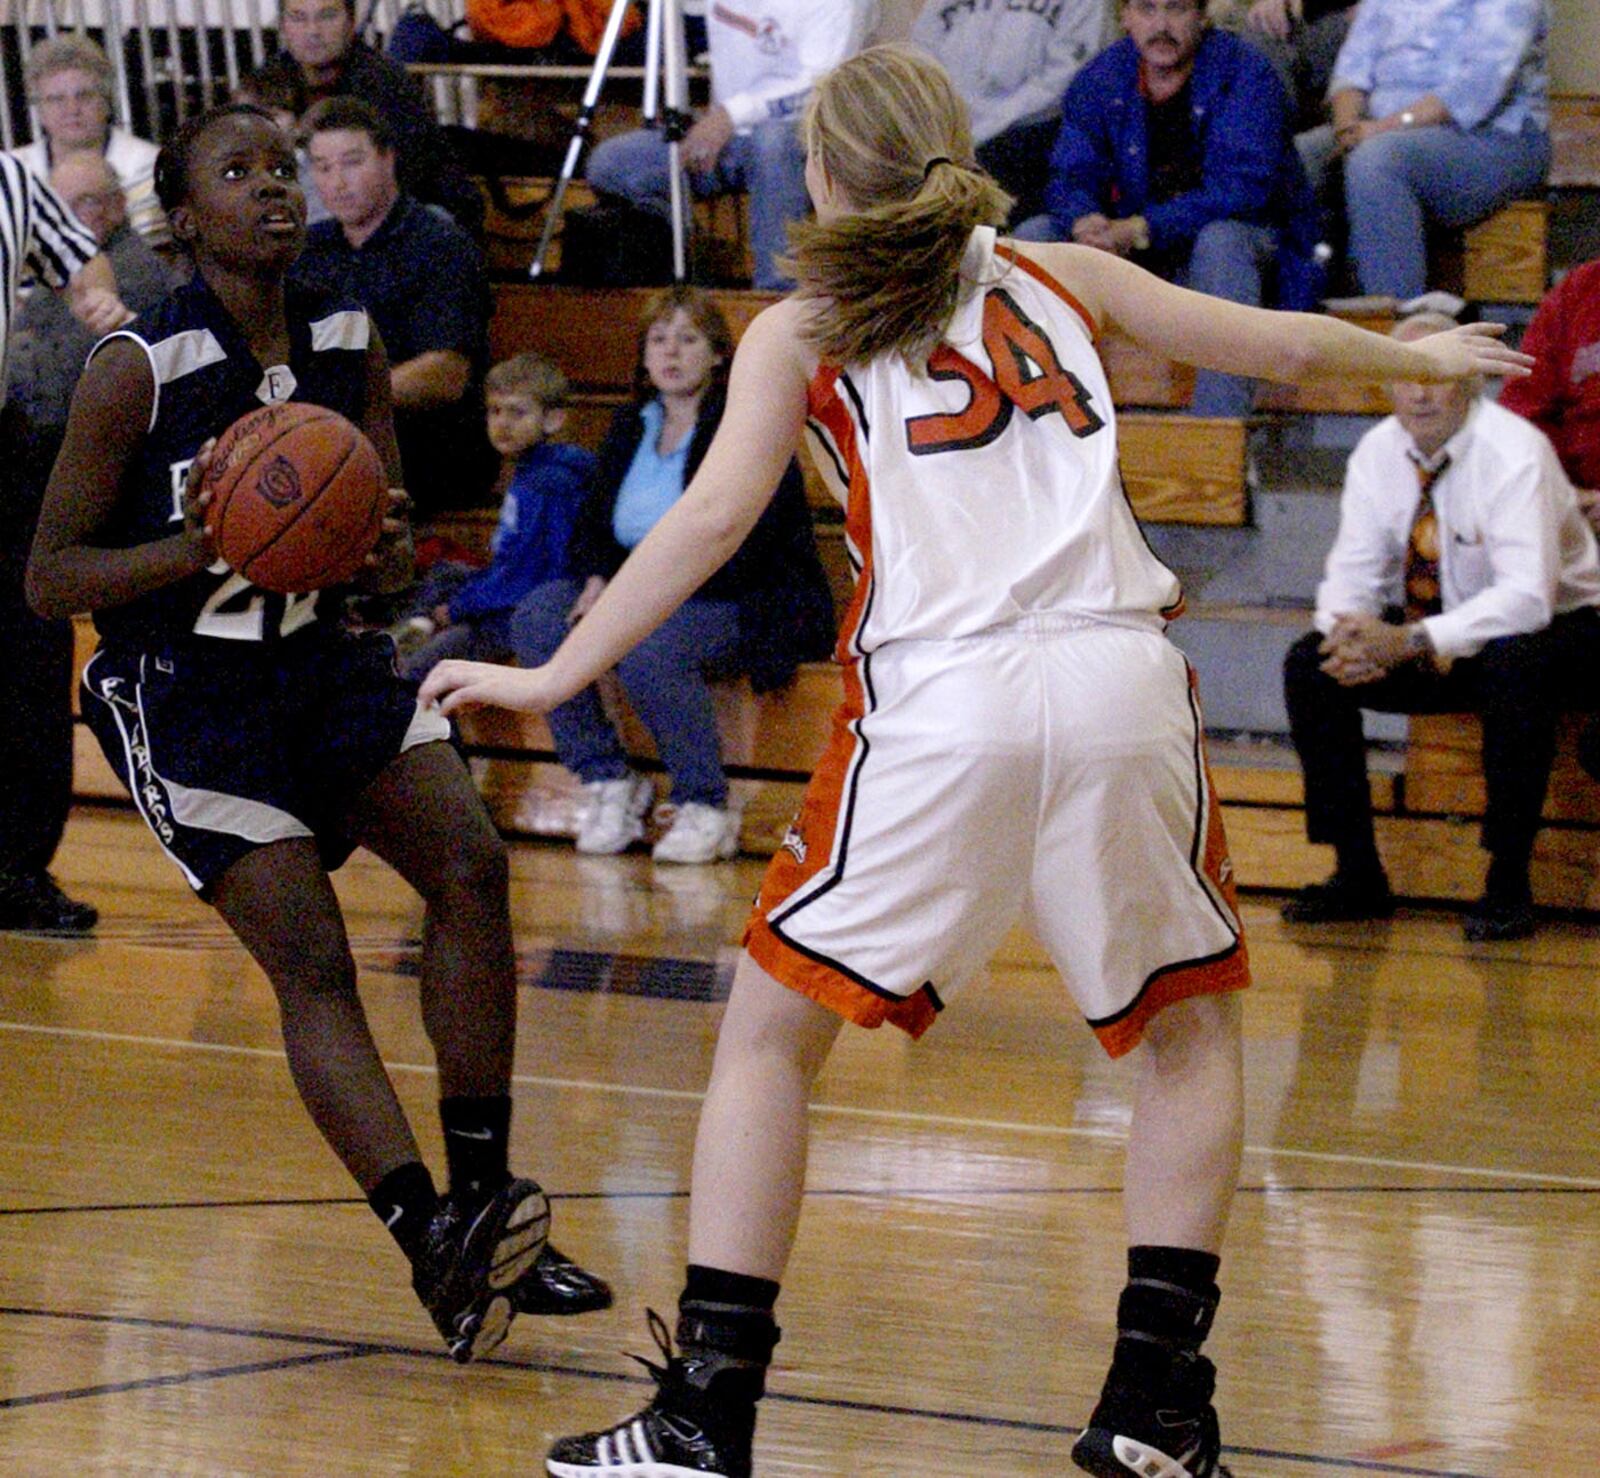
x=890, y=132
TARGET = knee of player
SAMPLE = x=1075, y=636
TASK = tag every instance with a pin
x=1194, y=1027
x=317, y=969
x=477, y=865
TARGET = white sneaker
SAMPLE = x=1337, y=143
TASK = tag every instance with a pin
x=699, y=834
x=611, y=814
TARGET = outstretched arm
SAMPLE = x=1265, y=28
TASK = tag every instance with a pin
x=697, y=535
x=1291, y=347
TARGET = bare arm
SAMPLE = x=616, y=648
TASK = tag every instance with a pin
x=434, y=377
x=700, y=532
x=1261, y=343
x=68, y=572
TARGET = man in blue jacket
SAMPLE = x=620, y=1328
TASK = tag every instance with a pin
x=1175, y=149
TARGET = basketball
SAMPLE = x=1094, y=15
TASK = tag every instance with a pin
x=298, y=495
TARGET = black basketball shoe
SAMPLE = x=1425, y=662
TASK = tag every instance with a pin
x=471, y=1260
x=676, y=1436
x=557, y=1285
x=34, y=901
x=1170, y=1433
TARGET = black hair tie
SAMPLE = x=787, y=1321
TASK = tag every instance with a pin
x=937, y=159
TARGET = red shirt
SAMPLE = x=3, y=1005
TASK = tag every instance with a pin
x=1562, y=395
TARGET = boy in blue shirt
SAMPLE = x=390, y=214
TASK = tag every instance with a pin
x=465, y=612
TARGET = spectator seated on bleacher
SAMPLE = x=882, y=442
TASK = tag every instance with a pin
x=765, y=54
x=1301, y=38
x=273, y=93
x=1456, y=512
x=1562, y=395
x=1175, y=150
x=762, y=614
x=70, y=90
x=1441, y=116
x=1011, y=65
x=461, y=611
x=323, y=58
x=422, y=279
x=49, y=346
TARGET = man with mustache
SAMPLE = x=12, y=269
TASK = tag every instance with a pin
x=1175, y=150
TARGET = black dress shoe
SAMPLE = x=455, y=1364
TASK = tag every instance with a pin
x=1492, y=919
x=1340, y=900
x=31, y=900
x=557, y=1285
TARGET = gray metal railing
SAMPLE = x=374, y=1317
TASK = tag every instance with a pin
x=171, y=58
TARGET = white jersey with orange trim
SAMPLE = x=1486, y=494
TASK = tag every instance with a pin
x=986, y=489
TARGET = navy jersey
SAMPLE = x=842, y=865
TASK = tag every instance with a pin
x=206, y=378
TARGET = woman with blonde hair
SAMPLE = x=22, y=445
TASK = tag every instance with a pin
x=71, y=88
x=951, y=384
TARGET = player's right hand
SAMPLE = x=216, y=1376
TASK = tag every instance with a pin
x=1473, y=349
x=197, y=502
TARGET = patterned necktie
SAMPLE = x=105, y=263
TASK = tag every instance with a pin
x=1422, y=549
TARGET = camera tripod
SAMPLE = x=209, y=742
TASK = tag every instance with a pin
x=666, y=97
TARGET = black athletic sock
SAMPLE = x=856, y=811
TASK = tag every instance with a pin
x=726, y=1335
x=1507, y=882
x=477, y=1144
x=1360, y=867
x=1164, y=1313
x=404, y=1201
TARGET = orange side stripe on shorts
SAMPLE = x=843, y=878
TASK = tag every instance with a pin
x=1209, y=978
x=818, y=827
x=913, y=1014
x=1226, y=972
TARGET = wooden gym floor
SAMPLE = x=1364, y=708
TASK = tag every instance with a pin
x=188, y=1284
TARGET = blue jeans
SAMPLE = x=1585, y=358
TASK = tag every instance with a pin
x=665, y=678
x=1396, y=184
x=479, y=639
x=1227, y=261
x=768, y=162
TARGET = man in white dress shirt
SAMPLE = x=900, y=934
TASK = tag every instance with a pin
x=1456, y=516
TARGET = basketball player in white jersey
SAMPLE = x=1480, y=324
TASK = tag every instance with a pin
x=1017, y=735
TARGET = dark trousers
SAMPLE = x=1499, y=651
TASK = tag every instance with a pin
x=1518, y=685
x=35, y=711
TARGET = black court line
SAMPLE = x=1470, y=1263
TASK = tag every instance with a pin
x=354, y=1350
x=867, y=1193
x=193, y=1377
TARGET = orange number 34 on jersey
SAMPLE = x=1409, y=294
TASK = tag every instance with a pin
x=1024, y=374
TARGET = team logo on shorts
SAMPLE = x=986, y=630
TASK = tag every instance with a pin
x=795, y=844
x=279, y=483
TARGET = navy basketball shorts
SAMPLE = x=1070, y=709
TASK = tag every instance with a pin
x=228, y=746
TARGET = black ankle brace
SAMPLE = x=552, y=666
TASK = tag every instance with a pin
x=726, y=1346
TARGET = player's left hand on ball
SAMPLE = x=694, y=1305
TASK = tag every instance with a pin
x=454, y=685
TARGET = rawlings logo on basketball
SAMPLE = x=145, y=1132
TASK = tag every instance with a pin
x=279, y=483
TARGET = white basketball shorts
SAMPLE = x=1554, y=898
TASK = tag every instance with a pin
x=1052, y=769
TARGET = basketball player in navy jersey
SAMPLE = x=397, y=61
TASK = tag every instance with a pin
x=262, y=743
x=953, y=385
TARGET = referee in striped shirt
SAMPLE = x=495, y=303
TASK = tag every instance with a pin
x=41, y=237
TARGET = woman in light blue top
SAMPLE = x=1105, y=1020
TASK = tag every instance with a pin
x=762, y=614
